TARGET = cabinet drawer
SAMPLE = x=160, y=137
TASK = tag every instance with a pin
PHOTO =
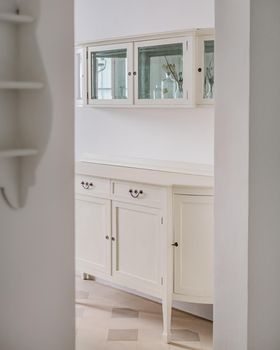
x=138, y=193
x=93, y=186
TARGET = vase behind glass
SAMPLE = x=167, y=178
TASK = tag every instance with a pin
x=168, y=87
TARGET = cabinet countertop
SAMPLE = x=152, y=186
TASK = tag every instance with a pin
x=157, y=172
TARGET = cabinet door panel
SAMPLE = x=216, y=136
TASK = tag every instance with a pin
x=110, y=78
x=165, y=72
x=194, y=255
x=92, y=227
x=136, y=250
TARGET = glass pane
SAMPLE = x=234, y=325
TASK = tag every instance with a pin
x=208, y=89
x=160, y=72
x=109, y=75
x=79, y=76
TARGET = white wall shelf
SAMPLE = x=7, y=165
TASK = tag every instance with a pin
x=13, y=160
x=16, y=18
x=20, y=85
x=14, y=153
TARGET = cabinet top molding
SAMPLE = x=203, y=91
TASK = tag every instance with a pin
x=152, y=36
x=157, y=172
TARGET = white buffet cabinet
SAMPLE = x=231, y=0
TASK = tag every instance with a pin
x=147, y=226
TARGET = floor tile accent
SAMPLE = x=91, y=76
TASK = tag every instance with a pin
x=122, y=335
x=184, y=335
x=110, y=319
x=124, y=313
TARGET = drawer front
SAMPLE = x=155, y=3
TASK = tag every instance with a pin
x=92, y=186
x=138, y=193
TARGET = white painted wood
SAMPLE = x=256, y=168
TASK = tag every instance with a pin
x=10, y=181
x=145, y=175
x=193, y=220
x=151, y=164
x=193, y=58
x=81, y=76
x=187, y=72
x=167, y=261
x=22, y=152
x=15, y=18
x=20, y=85
x=92, y=186
x=12, y=156
x=90, y=77
x=151, y=196
x=141, y=251
x=93, y=225
x=10, y=169
x=193, y=191
x=136, y=248
x=145, y=37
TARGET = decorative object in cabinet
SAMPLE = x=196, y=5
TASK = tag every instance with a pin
x=13, y=158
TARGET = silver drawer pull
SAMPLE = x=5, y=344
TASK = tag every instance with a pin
x=135, y=193
x=87, y=185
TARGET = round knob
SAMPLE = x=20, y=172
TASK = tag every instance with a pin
x=134, y=73
x=107, y=237
x=200, y=70
x=113, y=239
x=129, y=74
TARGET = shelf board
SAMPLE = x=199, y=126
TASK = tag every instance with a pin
x=14, y=18
x=20, y=85
x=20, y=152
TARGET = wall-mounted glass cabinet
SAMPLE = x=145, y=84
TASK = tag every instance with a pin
x=206, y=70
x=158, y=70
x=110, y=74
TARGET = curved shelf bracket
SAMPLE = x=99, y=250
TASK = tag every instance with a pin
x=10, y=175
x=7, y=201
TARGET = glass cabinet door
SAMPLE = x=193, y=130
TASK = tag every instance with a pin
x=164, y=71
x=110, y=74
x=206, y=70
x=80, y=76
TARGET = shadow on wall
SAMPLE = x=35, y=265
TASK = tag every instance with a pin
x=35, y=107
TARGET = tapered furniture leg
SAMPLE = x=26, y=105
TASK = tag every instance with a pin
x=167, y=313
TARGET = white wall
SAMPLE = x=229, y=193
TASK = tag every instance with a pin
x=231, y=174
x=37, y=242
x=247, y=160
x=182, y=135
x=264, y=175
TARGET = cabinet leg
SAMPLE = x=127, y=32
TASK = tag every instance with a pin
x=167, y=313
